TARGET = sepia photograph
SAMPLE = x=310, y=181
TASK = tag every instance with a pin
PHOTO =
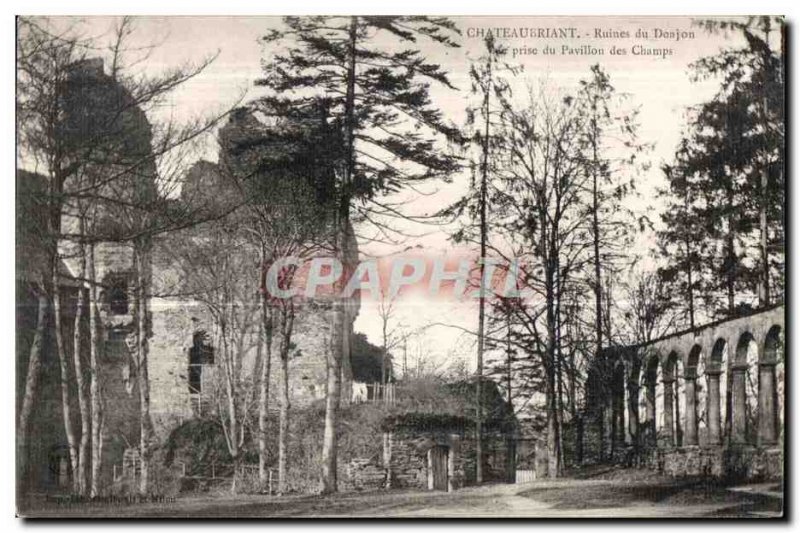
x=411, y=266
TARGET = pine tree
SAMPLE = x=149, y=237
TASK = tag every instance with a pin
x=733, y=156
x=682, y=242
x=379, y=98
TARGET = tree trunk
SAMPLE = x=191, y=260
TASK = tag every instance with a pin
x=283, y=431
x=553, y=433
x=230, y=393
x=263, y=397
x=598, y=323
x=559, y=398
x=143, y=336
x=689, y=272
x=553, y=444
x=328, y=482
x=481, y=299
x=763, y=285
x=31, y=383
x=573, y=405
x=332, y=400
x=94, y=386
x=730, y=272
x=383, y=357
x=77, y=351
x=64, y=371
x=690, y=285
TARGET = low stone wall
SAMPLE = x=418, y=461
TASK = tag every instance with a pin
x=365, y=474
x=732, y=463
x=407, y=460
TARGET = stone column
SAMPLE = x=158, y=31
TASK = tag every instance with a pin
x=608, y=427
x=767, y=415
x=713, y=399
x=451, y=465
x=739, y=407
x=669, y=404
x=626, y=413
x=677, y=413
x=650, y=413
x=690, y=405
x=619, y=411
x=633, y=413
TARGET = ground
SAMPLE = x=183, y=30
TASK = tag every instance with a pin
x=590, y=493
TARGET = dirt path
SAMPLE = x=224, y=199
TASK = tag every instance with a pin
x=565, y=498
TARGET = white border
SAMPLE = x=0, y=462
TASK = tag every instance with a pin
x=241, y=7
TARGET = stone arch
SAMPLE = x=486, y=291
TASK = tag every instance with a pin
x=672, y=382
x=717, y=397
x=649, y=394
x=718, y=356
x=773, y=345
x=694, y=395
x=770, y=387
x=633, y=388
x=618, y=410
x=742, y=347
x=744, y=390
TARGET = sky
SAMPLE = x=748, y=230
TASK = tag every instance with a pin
x=659, y=86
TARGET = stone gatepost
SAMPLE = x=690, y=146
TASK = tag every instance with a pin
x=387, y=457
x=452, y=478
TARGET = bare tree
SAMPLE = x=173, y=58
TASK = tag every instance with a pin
x=115, y=167
x=542, y=181
x=277, y=165
x=378, y=99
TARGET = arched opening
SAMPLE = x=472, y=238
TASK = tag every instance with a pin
x=693, y=392
x=201, y=357
x=771, y=388
x=59, y=466
x=773, y=345
x=650, y=401
x=716, y=403
x=744, y=391
x=632, y=402
x=672, y=388
x=115, y=293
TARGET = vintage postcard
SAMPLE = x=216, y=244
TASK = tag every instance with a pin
x=400, y=266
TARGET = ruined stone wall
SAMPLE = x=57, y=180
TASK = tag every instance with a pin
x=175, y=320
x=406, y=458
x=705, y=402
x=47, y=439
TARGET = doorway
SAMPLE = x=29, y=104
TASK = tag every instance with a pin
x=437, y=459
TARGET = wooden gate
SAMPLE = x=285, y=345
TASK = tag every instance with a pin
x=439, y=455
